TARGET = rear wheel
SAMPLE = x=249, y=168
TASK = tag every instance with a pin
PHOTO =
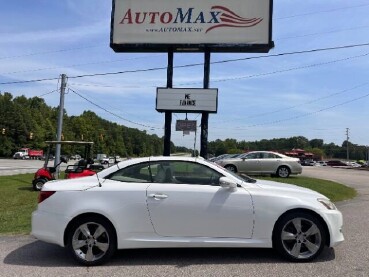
x=299, y=237
x=231, y=168
x=38, y=184
x=91, y=240
x=283, y=172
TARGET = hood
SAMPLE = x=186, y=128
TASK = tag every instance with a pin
x=287, y=188
x=76, y=184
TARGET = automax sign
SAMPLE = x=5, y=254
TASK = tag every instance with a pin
x=191, y=25
x=186, y=100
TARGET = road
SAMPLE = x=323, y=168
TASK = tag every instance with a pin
x=25, y=256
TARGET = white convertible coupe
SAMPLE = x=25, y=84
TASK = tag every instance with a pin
x=161, y=202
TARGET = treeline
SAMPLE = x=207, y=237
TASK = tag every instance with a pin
x=29, y=122
x=315, y=146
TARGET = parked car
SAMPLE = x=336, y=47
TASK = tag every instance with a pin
x=263, y=162
x=223, y=156
x=336, y=163
x=321, y=163
x=163, y=202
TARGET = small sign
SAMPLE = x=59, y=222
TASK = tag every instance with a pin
x=186, y=125
x=186, y=100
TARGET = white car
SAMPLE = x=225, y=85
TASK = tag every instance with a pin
x=161, y=202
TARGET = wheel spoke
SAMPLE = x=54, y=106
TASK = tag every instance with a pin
x=313, y=248
x=89, y=255
x=297, y=223
x=77, y=244
x=85, y=231
x=312, y=230
x=296, y=250
x=102, y=246
x=288, y=236
x=99, y=231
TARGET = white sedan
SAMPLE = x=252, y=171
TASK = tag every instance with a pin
x=161, y=202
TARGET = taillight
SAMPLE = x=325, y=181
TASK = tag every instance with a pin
x=43, y=195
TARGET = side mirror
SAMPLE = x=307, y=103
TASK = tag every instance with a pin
x=226, y=182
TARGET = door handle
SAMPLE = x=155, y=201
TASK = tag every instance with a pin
x=158, y=196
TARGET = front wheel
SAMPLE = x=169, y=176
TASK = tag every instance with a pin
x=91, y=241
x=299, y=237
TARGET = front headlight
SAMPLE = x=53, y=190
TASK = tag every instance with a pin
x=328, y=204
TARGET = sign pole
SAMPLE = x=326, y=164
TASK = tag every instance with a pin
x=205, y=115
x=168, y=114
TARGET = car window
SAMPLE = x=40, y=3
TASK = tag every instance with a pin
x=270, y=156
x=138, y=173
x=255, y=155
x=182, y=172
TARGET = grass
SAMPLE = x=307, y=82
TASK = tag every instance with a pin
x=334, y=191
x=18, y=200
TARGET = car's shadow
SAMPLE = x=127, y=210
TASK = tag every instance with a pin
x=48, y=255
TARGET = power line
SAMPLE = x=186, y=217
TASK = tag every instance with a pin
x=49, y=52
x=75, y=65
x=114, y=114
x=299, y=105
x=197, y=64
x=280, y=71
x=149, y=56
x=300, y=116
x=325, y=11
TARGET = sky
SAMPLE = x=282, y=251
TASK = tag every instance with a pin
x=316, y=95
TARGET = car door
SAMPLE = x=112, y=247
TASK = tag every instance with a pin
x=249, y=163
x=190, y=203
x=269, y=163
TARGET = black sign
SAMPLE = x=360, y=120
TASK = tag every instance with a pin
x=186, y=125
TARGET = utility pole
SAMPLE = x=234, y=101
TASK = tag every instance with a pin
x=60, y=122
x=347, y=143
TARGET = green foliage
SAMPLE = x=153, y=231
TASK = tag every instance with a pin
x=17, y=202
x=22, y=116
x=315, y=146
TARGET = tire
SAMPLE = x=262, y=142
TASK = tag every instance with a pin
x=283, y=172
x=91, y=240
x=231, y=168
x=299, y=237
x=38, y=184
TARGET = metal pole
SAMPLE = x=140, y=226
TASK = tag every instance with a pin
x=168, y=115
x=205, y=115
x=60, y=122
x=347, y=144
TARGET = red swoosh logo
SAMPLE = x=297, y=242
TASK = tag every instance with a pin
x=231, y=19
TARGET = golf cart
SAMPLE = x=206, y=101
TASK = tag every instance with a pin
x=84, y=167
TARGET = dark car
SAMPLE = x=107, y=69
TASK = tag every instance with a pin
x=336, y=163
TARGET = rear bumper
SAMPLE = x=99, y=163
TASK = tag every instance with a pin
x=49, y=227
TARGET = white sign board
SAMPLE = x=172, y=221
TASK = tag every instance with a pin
x=184, y=100
x=191, y=25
